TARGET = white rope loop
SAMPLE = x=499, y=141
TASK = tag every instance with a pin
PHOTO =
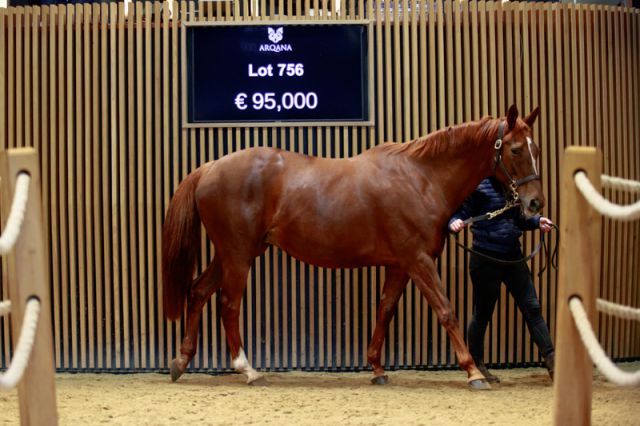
x=598, y=356
x=620, y=183
x=14, y=373
x=621, y=311
x=602, y=205
x=16, y=216
x=5, y=307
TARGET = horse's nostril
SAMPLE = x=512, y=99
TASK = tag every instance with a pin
x=534, y=205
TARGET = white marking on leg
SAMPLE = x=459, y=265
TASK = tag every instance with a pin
x=241, y=365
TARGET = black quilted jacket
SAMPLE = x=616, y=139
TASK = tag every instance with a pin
x=502, y=233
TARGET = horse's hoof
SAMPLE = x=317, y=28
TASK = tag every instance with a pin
x=176, y=370
x=380, y=380
x=260, y=381
x=479, y=384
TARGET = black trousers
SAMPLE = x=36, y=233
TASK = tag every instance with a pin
x=486, y=277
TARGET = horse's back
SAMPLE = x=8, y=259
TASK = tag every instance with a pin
x=260, y=166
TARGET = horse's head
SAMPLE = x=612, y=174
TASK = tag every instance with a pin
x=516, y=162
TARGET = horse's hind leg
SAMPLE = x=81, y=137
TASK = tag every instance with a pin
x=234, y=283
x=200, y=292
x=423, y=272
x=395, y=281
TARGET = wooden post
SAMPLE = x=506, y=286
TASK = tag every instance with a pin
x=28, y=277
x=579, y=273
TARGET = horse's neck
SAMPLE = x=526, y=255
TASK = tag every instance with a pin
x=462, y=168
x=465, y=176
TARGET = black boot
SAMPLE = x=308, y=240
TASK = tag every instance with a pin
x=549, y=362
x=483, y=369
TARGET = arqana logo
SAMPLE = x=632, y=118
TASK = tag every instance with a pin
x=275, y=35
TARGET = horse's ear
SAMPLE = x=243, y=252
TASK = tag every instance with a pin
x=531, y=118
x=512, y=116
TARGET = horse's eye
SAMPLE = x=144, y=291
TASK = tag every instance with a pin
x=516, y=150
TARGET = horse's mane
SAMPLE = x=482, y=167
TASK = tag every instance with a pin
x=466, y=135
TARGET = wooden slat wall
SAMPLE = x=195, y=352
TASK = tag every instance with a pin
x=98, y=95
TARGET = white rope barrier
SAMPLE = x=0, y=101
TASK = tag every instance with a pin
x=619, y=183
x=21, y=355
x=621, y=311
x=16, y=216
x=598, y=356
x=5, y=307
x=605, y=207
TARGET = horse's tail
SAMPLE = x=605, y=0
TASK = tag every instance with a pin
x=180, y=242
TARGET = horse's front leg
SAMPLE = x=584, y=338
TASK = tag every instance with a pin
x=395, y=281
x=424, y=273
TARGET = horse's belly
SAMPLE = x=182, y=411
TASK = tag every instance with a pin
x=327, y=250
x=337, y=260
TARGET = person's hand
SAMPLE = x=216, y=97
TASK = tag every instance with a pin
x=457, y=225
x=545, y=224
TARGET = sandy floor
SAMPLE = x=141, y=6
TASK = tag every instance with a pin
x=413, y=397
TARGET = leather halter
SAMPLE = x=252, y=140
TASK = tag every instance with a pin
x=513, y=183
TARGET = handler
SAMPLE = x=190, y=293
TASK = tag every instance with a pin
x=499, y=238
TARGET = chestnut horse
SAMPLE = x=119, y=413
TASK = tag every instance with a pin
x=388, y=206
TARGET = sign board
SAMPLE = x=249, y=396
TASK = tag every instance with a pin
x=277, y=73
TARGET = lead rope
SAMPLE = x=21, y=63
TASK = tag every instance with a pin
x=553, y=259
x=490, y=215
x=504, y=262
x=550, y=259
